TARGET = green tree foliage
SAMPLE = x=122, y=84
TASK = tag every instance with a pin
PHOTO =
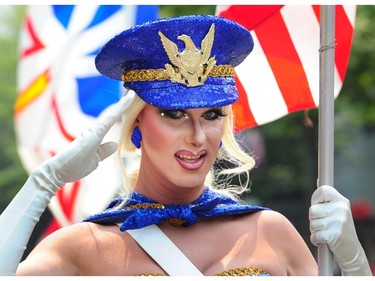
x=12, y=174
x=181, y=10
x=358, y=97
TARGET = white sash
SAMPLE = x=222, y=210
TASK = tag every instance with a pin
x=164, y=251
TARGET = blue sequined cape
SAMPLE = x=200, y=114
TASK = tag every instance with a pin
x=140, y=211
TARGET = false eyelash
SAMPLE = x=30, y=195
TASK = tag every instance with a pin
x=219, y=111
x=171, y=113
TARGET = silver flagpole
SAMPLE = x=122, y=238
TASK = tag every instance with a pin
x=326, y=118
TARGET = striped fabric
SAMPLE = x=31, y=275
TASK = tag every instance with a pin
x=281, y=76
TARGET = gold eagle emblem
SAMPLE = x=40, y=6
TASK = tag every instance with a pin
x=191, y=66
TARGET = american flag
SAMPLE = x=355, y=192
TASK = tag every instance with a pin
x=281, y=75
x=60, y=93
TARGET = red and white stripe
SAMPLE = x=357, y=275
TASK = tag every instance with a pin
x=281, y=75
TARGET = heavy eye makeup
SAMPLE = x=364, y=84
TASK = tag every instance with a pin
x=214, y=114
x=176, y=114
x=173, y=113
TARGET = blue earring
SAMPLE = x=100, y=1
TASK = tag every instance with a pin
x=136, y=137
x=221, y=143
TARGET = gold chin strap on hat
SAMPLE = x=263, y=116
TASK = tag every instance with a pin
x=191, y=67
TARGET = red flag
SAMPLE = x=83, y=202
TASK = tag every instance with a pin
x=281, y=76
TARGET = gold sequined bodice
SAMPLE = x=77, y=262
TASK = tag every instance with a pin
x=242, y=271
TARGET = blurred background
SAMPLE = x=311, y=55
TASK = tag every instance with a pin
x=286, y=149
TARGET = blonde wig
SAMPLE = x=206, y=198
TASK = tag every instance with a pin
x=218, y=179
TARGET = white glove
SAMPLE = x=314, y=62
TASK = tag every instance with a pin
x=80, y=158
x=331, y=223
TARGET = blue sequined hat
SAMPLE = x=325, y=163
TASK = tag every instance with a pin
x=179, y=62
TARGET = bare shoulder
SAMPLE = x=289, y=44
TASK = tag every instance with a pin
x=270, y=222
x=284, y=238
x=273, y=222
x=61, y=252
x=272, y=226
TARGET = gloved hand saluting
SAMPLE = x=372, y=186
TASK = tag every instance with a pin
x=331, y=223
x=80, y=158
x=83, y=155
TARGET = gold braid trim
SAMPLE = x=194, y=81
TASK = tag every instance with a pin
x=151, y=274
x=146, y=206
x=173, y=221
x=176, y=221
x=160, y=74
x=244, y=271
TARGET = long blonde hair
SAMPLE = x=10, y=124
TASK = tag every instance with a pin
x=230, y=152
